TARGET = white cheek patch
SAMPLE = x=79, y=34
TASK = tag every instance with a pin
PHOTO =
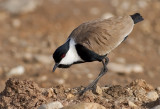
x=72, y=55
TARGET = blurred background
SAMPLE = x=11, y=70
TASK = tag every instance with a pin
x=31, y=30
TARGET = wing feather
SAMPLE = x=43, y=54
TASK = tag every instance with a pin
x=103, y=35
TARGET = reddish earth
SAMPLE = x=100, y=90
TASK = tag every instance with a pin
x=26, y=94
x=24, y=37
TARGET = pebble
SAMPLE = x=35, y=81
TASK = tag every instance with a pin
x=19, y=70
x=121, y=60
x=125, y=68
x=52, y=105
x=152, y=95
x=43, y=78
x=60, y=81
x=16, y=23
x=106, y=15
x=49, y=92
x=70, y=96
x=43, y=59
x=131, y=104
x=85, y=106
x=90, y=75
x=158, y=89
x=142, y=3
x=20, y=6
x=28, y=57
x=156, y=107
x=125, y=5
x=98, y=90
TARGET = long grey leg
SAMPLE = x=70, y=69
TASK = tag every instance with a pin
x=103, y=71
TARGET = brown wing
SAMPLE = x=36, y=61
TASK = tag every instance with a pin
x=103, y=35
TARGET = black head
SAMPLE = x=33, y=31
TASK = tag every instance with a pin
x=60, y=53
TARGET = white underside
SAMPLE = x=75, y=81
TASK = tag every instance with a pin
x=72, y=55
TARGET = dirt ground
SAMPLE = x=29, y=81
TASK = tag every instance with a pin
x=29, y=39
x=26, y=94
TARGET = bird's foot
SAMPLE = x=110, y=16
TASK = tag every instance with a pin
x=92, y=86
x=84, y=90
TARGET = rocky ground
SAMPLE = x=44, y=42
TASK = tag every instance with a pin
x=30, y=31
x=26, y=94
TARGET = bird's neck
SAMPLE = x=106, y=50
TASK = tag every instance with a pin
x=72, y=55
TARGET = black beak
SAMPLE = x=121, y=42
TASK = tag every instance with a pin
x=55, y=66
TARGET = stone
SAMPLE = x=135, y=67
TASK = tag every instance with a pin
x=131, y=104
x=43, y=59
x=142, y=3
x=106, y=15
x=20, y=6
x=90, y=75
x=19, y=70
x=28, y=57
x=85, y=106
x=97, y=90
x=70, y=96
x=158, y=89
x=156, y=107
x=125, y=68
x=152, y=95
x=16, y=23
x=52, y=105
x=59, y=81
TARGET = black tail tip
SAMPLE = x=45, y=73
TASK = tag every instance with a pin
x=136, y=18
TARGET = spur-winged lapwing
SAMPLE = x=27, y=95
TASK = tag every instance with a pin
x=93, y=40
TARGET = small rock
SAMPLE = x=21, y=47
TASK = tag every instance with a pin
x=125, y=69
x=60, y=81
x=19, y=70
x=89, y=75
x=52, y=105
x=28, y=57
x=98, y=90
x=85, y=106
x=125, y=5
x=20, y=6
x=131, y=104
x=152, y=95
x=106, y=15
x=48, y=92
x=43, y=78
x=70, y=96
x=16, y=23
x=121, y=60
x=158, y=89
x=43, y=59
x=104, y=89
x=156, y=107
x=142, y=3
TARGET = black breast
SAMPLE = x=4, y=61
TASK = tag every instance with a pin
x=88, y=55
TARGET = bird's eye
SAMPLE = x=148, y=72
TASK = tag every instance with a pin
x=63, y=56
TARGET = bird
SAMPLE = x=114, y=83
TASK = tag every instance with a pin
x=93, y=41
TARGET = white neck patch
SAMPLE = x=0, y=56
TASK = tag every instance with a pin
x=72, y=55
